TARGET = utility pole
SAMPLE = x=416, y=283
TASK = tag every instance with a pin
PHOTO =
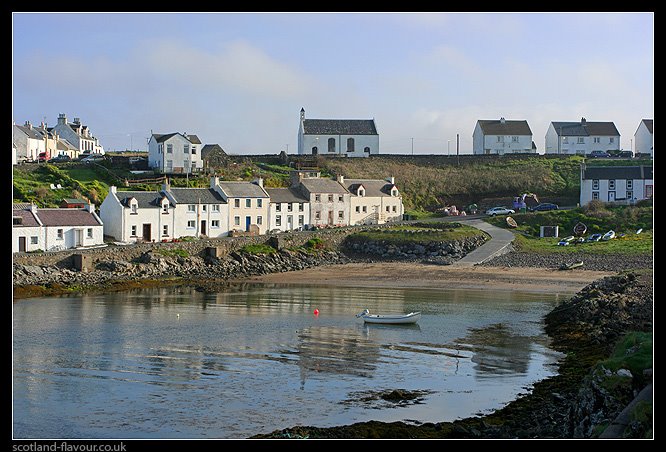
x=448, y=148
x=412, y=146
x=458, y=147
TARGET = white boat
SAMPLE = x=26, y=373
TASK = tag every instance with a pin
x=609, y=235
x=566, y=241
x=412, y=317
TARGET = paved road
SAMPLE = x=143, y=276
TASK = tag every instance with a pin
x=499, y=243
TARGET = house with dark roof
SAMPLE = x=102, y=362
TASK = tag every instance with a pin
x=643, y=142
x=502, y=136
x=618, y=184
x=213, y=155
x=329, y=199
x=337, y=137
x=78, y=135
x=28, y=141
x=55, y=228
x=137, y=216
x=581, y=138
x=198, y=212
x=175, y=153
x=248, y=204
x=373, y=201
x=288, y=210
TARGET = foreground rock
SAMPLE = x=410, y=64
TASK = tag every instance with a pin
x=574, y=404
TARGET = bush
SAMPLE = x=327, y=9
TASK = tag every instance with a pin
x=315, y=243
x=258, y=248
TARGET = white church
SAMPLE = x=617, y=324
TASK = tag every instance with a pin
x=338, y=137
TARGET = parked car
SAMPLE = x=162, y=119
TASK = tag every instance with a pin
x=626, y=155
x=544, y=206
x=499, y=211
x=92, y=158
x=61, y=158
x=599, y=155
x=42, y=157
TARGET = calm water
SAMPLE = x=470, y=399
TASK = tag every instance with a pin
x=176, y=363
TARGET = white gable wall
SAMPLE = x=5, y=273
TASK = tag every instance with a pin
x=643, y=140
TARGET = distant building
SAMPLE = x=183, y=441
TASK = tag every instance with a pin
x=337, y=137
x=78, y=135
x=137, y=216
x=620, y=184
x=581, y=138
x=502, y=136
x=289, y=209
x=28, y=141
x=213, y=155
x=329, y=199
x=175, y=153
x=198, y=212
x=248, y=205
x=373, y=201
x=643, y=141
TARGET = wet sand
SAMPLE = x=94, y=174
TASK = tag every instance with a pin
x=409, y=274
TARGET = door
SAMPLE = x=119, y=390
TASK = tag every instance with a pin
x=203, y=227
x=147, y=236
x=78, y=237
x=330, y=217
x=611, y=196
x=290, y=222
x=22, y=244
x=248, y=222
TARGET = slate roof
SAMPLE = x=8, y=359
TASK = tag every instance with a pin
x=508, y=127
x=279, y=195
x=161, y=138
x=339, y=127
x=617, y=172
x=67, y=217
x=588, y=128
x=28, y=219
x=144, y=198
x=648, y=123
x=319, y=185
x=31, y=133
x=242, y=190
x=196, y=196
x=373, y=187
x=208, y=148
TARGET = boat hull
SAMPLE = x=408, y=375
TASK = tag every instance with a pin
x=392, y=319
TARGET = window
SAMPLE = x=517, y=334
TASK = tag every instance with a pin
x=340, y=198
x=565, y=140
x=191, y=224
x=278, y=220
x=215, y=223
x=248, y=202
x=290, y=221
x=630, y=194
x=90, y=233
x=331, y=145
x=630, y=184
x=581, y=140
x=160, y=148
x=388, y=208
x=215, y=207
x=317, y=215
x=612, y=140
x=236, y=202
x=260, y=203
x=595, y=195
x=191, y=208
x=300, y=207
x=290, y=207
x=203, y=207
x=165, y=208
x=597, y=140
x=169, y=148
x=60, y=234
x=330, y=198
x=514, y=139
x=169, y=165
x=394, y=192
x=278, y=207
x=314, y=149
x=341, y=215
x=236, y=221
x=300, y=220
x=611, y=184
x=358, y=209
x=350, y=144
x=366, y=149
x=133, y=230
x=361, y=192
x=194, y=150
x=33, y=240
x=186, y=148
x=165, y=229
x=317, y=198
x=134, y=207
x=365, y=209
x=395, y=208
x=500, y=139
x=595, y=184
x=259, y=219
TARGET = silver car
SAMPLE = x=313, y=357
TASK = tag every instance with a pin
x=499, y=211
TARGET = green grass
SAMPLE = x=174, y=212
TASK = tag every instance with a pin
x=632, y=352
x=258, y=248
x=417, y=233
x=173, y=252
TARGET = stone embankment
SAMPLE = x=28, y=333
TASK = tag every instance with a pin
x=599, y=262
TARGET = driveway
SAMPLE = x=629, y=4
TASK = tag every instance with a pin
x=499, y=243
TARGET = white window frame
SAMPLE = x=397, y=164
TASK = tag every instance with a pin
x=191, y=224
x=191, y=208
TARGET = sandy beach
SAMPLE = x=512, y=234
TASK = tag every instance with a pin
x=409, y=274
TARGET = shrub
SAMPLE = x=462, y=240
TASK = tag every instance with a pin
x=315, y=243
x=257, y=248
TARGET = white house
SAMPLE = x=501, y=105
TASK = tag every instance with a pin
x=248, y=205
x=502, y=136
x=56, y=228
x=346, y=137
x=198, y=212
x=175, y=153
x=581, y=138
x=78, y=135
x=329, y=199
x=373, y=201
x=288, y=210
x=28, y=141
x=134, y=216
x=620, y=184
x=643, y=143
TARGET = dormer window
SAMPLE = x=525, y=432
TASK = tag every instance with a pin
x=165, y=207
x=361, y=192
x=134, y=207
x=394, y=192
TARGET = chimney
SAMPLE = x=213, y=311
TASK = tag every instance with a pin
x=77, y=121
x=582, y=121
x=391, y=180
x=502, y=120
x=341, y=179
x=214, y=181
x=166, y=186
x=90, y=207
x=28, y=125
x=259, y=181
x=33, y=208
x=112, y=189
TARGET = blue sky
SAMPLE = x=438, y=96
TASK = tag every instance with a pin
x=240, y=80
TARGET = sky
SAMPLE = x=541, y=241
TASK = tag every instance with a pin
x=241, y=79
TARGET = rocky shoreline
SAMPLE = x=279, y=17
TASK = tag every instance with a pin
x=578, y=402
x=600, y=262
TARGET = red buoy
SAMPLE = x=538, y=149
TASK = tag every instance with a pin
x=316, y=311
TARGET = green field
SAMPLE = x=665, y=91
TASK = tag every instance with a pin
x=416, y=233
